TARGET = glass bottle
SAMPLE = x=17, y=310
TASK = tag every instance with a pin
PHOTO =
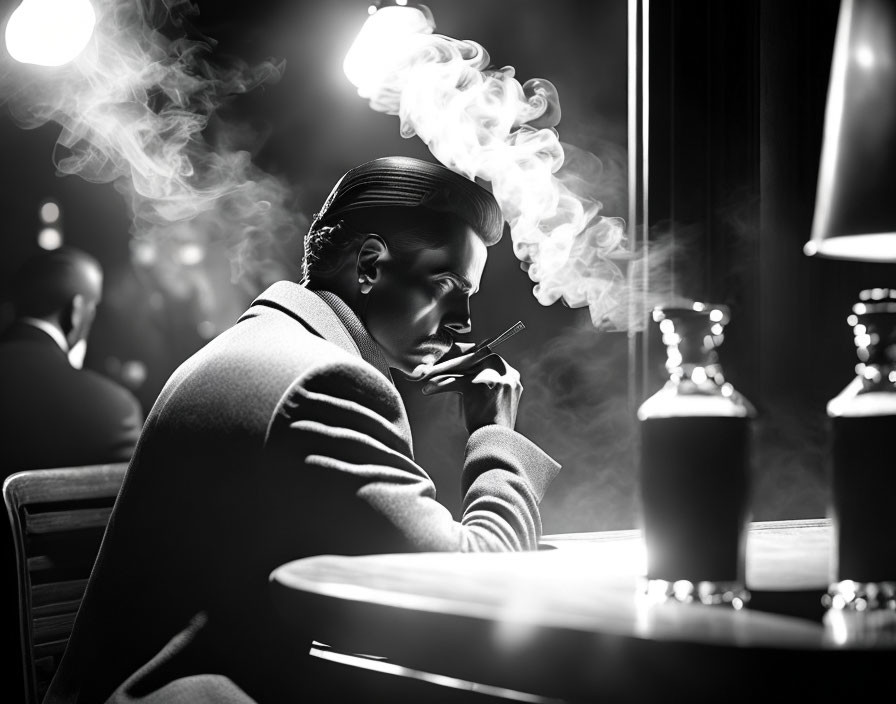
x=862, y=464
x=695, y=466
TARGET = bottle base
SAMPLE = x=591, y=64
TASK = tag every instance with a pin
x=731, y=594
x=847, y=595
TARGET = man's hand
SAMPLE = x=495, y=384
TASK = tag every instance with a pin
x=490, y=387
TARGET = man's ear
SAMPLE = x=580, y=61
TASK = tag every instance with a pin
x=71, y=315
x=77, y=318
x=372, y=254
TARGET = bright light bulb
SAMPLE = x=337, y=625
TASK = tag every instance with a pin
x=383, y=41
x=49, y=32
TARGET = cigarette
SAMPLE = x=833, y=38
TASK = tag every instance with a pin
x=493, y=342
x=472, y=356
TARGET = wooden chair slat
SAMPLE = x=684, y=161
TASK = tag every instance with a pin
x=52, y=628
x=50, y=649
x=56, y=609
x=64, y=521
x=57, y=517
x=56, y=592
x=69, y=483
x=41, y=563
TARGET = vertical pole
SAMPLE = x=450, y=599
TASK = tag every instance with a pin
x=638, y=230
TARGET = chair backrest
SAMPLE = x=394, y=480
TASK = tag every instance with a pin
x=58, y=517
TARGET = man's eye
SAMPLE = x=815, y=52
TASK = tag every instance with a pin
x=445, y=284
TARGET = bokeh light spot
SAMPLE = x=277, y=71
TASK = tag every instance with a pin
x=49, y=238
x=133, y=373
x=49, y=212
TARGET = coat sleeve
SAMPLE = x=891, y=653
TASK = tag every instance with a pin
x=339, y=428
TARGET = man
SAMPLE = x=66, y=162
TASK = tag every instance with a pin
x=52, y=412
x=285, y=437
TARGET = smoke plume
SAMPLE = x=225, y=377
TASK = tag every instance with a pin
x=139, y=109
x=574, y=391
x=482, y=122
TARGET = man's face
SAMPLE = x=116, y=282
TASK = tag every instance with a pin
x=421, y=300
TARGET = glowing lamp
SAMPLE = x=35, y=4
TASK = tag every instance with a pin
x=855, y=212
x=383, y=41
x=49, y=32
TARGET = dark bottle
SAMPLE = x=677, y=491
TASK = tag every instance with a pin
x=863, y=462
x=695, y=466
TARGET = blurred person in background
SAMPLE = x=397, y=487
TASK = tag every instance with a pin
x=53, y=413
x=285, y=437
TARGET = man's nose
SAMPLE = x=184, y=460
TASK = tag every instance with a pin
x=458, y=320
x=460, y=328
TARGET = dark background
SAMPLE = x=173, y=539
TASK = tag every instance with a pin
x=737, y=101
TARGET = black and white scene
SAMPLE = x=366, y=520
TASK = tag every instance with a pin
x=462, y=351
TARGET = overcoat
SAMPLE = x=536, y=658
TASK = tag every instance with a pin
x=283, y=437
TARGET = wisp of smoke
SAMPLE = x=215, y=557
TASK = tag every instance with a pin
x=135, y=108
x=577, y=409
x=481, y=122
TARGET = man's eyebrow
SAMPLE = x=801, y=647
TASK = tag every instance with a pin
x=464, y=281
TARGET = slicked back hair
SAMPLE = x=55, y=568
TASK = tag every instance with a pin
x=404, y=200
x=404, y=230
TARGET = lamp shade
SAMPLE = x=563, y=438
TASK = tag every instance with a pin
x=855, y=205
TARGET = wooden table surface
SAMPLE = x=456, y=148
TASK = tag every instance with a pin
x=568, y=621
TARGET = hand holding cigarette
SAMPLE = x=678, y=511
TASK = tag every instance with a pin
x=490, y=387
x=472, y=356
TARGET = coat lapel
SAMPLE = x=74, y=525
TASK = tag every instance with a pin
x=327, y=316
x=310, y=310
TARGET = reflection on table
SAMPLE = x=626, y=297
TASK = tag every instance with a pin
x=569, y=621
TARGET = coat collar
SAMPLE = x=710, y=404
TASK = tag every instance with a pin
x=329, y=317
x=49, y=329
x=21, y=331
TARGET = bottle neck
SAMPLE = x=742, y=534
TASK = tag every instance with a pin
x=875, y=377
x=696, y=386
x=875, y=337
x=693, y=362
x=704, y=376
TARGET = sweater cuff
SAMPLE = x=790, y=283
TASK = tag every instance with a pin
x=515, y=450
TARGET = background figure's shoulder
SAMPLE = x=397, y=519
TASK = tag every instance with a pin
x=113, y=416
x=108, y=393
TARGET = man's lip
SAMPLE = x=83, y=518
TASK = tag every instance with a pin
x=436, y=345
x=433, y=349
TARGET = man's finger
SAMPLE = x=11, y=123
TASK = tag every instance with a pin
x=456, y=364
x=443, y=382
x=488, y=376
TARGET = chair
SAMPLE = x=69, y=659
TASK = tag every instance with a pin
x=58, y=517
